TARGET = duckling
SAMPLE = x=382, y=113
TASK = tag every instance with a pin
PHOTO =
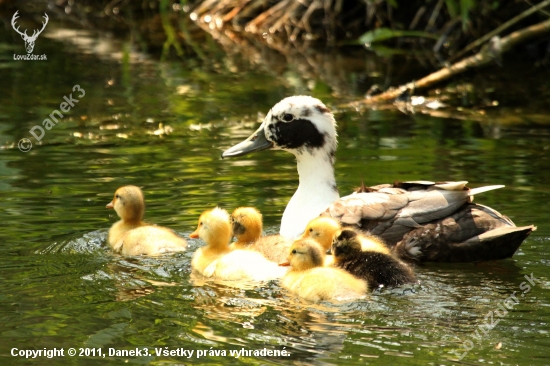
x=323, y=230
x=308, y=278
x=247, y=228
x=132, y=236
x=151, y=240
x=217, y=260
x=375, y=265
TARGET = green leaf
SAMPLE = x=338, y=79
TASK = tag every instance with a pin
x=465, y=7
x=383, y=34
x=452, y=7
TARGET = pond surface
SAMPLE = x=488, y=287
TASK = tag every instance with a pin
x=162, y=126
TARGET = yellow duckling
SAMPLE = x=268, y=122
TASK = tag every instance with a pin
x=247, y=228
x=132, y=236
x=323, y=230
x=308, y=278
x=377, y=267
x=217, y=260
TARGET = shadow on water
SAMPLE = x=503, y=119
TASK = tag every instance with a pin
x=162, y=126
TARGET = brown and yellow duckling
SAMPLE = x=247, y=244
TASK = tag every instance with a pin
x=323, y=230
x=247, y=229
x=375, y=265
x=130, y=235
x=217, y=260
x=309, y=279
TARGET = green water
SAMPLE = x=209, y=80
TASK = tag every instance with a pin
x=62, y=288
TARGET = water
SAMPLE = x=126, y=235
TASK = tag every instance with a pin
x=162, y=126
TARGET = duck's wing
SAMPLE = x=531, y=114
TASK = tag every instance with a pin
x=473, y=233
x=391, y=211
x=211, y=268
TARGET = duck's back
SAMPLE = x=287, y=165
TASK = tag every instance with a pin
x=245, y=265
x=151, y=240
x=428, y=221
x=273, y=247
x=378, y=269
x=325, y=283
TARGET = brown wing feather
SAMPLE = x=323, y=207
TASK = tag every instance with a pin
x=474, y=233
x=391, y=211
x=427, y=221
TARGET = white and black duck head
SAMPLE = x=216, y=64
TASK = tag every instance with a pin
x=305, y=127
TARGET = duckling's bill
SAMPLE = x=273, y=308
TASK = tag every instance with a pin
x=256, y=142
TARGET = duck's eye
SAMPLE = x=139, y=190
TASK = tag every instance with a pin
x=288, y=117
x=117, y=196
x=200, y=223
x=310, y=230
x=293, y=251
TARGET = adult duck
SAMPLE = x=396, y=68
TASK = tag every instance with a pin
x=428, y=221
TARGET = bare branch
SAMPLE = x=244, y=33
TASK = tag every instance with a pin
x=481, y=58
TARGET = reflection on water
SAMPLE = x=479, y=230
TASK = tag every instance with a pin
x=162, y=126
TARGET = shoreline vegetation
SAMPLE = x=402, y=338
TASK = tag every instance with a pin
x=447, y=37
x=458, y=33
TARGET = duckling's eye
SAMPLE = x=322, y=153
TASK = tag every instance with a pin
x=288, y=117
x=310, y=230
x=293, y=251
x=200, y=223
x=117, y=196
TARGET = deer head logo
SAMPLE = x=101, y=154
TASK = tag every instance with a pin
x=29, y=41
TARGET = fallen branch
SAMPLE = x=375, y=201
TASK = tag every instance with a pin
x=500, y=29
x=484, y=56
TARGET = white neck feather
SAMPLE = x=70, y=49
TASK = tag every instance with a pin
x=316, y=191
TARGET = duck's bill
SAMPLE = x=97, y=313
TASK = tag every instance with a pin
x=284, y=264
x=256, y=142
x=110, y=205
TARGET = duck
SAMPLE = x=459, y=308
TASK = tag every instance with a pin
x=131, y=236
x=409, y=215
x=323, y=229
x=309, y=279
x=218, y=261
x=375, y=265
x=247, y=228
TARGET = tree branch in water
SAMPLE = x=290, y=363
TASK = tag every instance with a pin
x=484, y=56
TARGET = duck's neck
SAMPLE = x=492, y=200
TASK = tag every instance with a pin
x=247, y=238
x=132, y=221
x=218, y=245
x=316, y=191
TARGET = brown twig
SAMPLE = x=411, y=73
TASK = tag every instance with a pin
x=481, y=58
x=500, y=29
